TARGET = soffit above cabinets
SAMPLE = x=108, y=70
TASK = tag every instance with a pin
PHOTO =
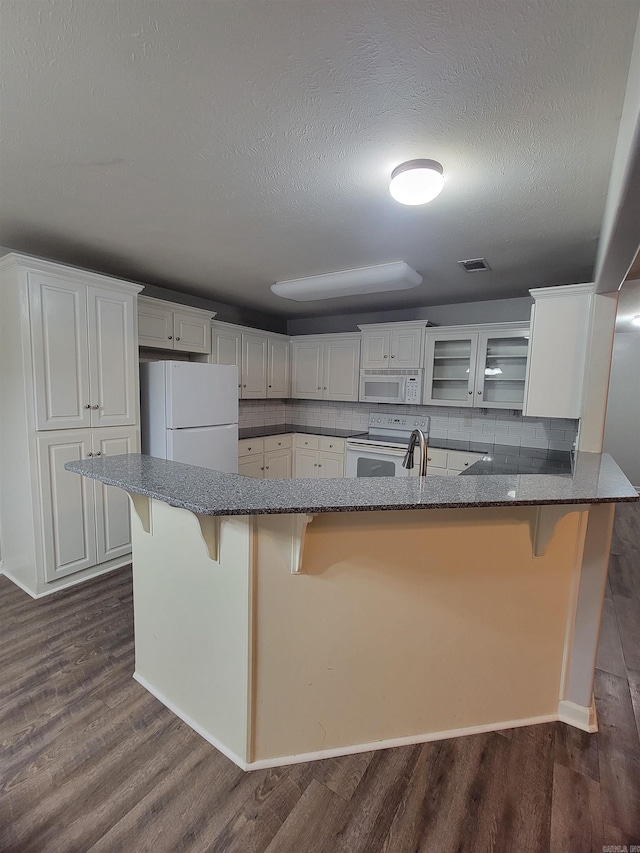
x=215, y=148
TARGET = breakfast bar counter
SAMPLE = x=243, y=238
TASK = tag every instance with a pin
x=287, y=620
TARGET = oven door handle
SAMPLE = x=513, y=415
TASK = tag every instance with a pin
x=375, y=448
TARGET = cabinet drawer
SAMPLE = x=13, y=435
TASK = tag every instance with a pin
x=460, y=461
x=278, y=442
x=331, y=445
x=248, y=446
x=436, y=458
x=306, y=442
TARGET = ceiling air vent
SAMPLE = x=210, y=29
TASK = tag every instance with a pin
x=475, y=265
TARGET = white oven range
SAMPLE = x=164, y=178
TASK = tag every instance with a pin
x=380, y=451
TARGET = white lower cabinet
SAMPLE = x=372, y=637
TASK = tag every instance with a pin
x=265, y=458
x=449, y=463
x=84, y=523
x=318, y=457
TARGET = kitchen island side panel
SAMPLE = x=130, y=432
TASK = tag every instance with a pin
x=406, y=624
x=192, y=594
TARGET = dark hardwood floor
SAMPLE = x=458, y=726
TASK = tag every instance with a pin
x=91, y=761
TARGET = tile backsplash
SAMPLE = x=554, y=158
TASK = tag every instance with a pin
x=497, y=425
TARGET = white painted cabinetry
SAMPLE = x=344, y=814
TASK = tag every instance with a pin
x=325, y=367
x=560, y=325
x=448, y=463
x=278, y=384
x=317, y=456
x=262, y=359
x=254, y=366
x=85, y=360
x=85, y=523
x=169, y=325
x=266, y=458
x=68, y=342
x=392, y=346
x=477, y=366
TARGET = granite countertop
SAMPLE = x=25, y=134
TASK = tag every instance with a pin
x=281, y=429
x=498, y=458
x=595, y=479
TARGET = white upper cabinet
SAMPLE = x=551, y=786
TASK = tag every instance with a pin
x=325, y=367
x=254, y=366
x=392, y=346
x=560, y=321
x=341, y=368
x=277, y=367
x=113, y=357
x=480, y=366
x=169, y=325
x=85, y=356
x=262, y=359
x=307, y=368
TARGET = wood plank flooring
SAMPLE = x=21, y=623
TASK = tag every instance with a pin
x=91, y=762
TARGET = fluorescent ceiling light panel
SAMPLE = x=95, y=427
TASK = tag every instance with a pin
x=376, y=279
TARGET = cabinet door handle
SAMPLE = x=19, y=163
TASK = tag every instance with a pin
x=244, y=386
x=89, y=454
x=393, y=356
x=97, y=453
x=471, y=392
x=325, y=388
x=177, y=339
x=88, y=406
x=319, y=388
x=319, y=465
x=479, y=392
x=269, y=386
x=262, y=469
x=170, y=337
x=465, y=464
x=95, y=407
x=267, y=467
x=279, y=444
x=386, y=356
x=330, y=446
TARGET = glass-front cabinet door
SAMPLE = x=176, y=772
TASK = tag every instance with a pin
x=502, y=369
x=451, y=369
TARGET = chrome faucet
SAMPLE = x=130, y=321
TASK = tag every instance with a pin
x=416, y=436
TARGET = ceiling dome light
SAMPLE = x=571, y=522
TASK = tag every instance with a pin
x=636, y=320
x=416, y=181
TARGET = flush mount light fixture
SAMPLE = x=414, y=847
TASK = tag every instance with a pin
x=416, y=181
x=394, y=276
x=636, y=320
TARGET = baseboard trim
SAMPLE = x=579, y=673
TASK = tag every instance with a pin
x=142, y=681
x=578, y=716
x=71, y=582
x=280, y=761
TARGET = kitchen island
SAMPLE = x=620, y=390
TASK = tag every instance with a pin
x=287, y=620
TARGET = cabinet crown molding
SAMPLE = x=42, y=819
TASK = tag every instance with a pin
x=174, y=306
x=330, y=336
x=481, y=327
x=402, y=324
x=14, y=260
x=562, y=290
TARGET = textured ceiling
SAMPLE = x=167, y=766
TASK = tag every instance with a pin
x=216, y=147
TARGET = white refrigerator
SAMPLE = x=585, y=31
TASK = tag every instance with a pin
x=189, y=413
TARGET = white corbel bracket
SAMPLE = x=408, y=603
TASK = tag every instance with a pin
x=210, y=530
x=300, y=523
x=543, y=524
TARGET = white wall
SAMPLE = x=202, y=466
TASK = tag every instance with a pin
x=489, y=311
x=622, y=428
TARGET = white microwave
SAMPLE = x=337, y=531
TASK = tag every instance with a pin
x=390, y=387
